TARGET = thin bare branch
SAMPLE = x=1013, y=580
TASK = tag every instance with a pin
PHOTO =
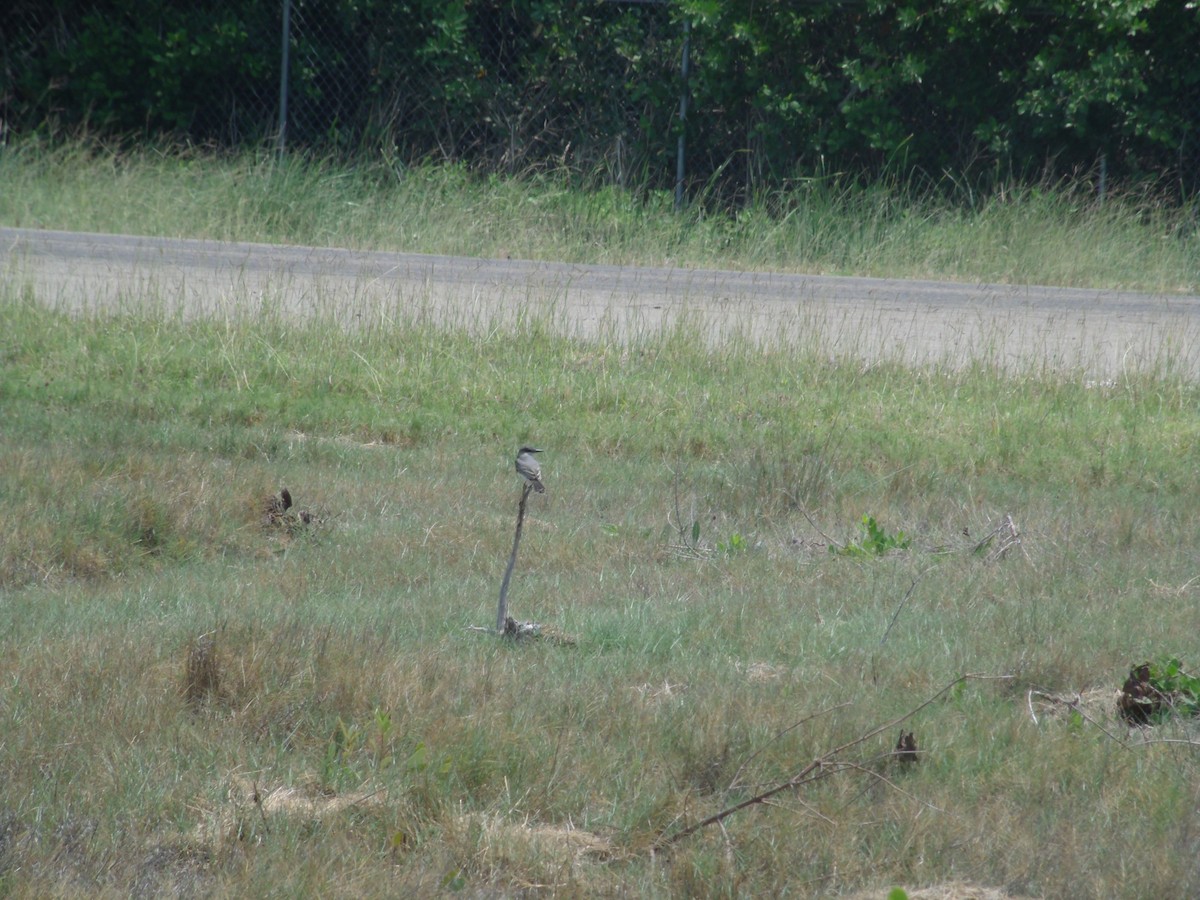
x=903, y=601
x=828, y=540
x=895, y=787
x=816, y=769
x=749, y=759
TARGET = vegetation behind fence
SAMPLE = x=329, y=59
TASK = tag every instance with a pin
x=776, y=91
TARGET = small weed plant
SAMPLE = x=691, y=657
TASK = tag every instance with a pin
x=735, y=544
x=1169, y=678
x=1167, y=690
x=875, y=541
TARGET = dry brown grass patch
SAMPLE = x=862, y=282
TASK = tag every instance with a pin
x=563, y=841
x=1094, y=704
x=252, y=807
x=526, y=855
x=656, y=693
x=759, y=672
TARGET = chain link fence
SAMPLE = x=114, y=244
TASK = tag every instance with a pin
x=586, y=85
x=598, y=87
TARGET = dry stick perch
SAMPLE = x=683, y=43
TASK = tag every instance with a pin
x=502, y=619
x=807, y=773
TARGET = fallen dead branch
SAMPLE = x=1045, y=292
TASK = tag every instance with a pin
x=534, y=631
x=279, y=512
x=817, y=769
x=1004, y=536
x=738, y=774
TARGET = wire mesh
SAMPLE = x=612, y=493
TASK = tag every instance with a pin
x=595, y=86
x=580, y=84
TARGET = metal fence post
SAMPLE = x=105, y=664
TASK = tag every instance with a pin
x=684, y=67
x=281, y=137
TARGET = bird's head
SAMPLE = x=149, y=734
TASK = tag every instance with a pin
x=528, y=450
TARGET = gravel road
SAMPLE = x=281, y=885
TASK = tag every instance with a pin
x=1096, y=333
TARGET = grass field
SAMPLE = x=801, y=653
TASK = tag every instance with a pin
x=206, y=697
x=1056, y=234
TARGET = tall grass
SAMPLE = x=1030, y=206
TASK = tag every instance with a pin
x=1041, y=234
x=353, y=738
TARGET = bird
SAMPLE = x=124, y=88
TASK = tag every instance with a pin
x=528, y=468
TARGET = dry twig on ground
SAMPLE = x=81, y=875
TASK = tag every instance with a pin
x=816, y=769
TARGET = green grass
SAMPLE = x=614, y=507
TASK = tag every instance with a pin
x=350, y=735
x=395, y=752
x=1055, y=235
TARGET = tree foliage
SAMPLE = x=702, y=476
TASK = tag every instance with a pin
x=778, y=89
x=952, y=85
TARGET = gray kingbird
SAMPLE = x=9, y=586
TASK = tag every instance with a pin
x=528, y=468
